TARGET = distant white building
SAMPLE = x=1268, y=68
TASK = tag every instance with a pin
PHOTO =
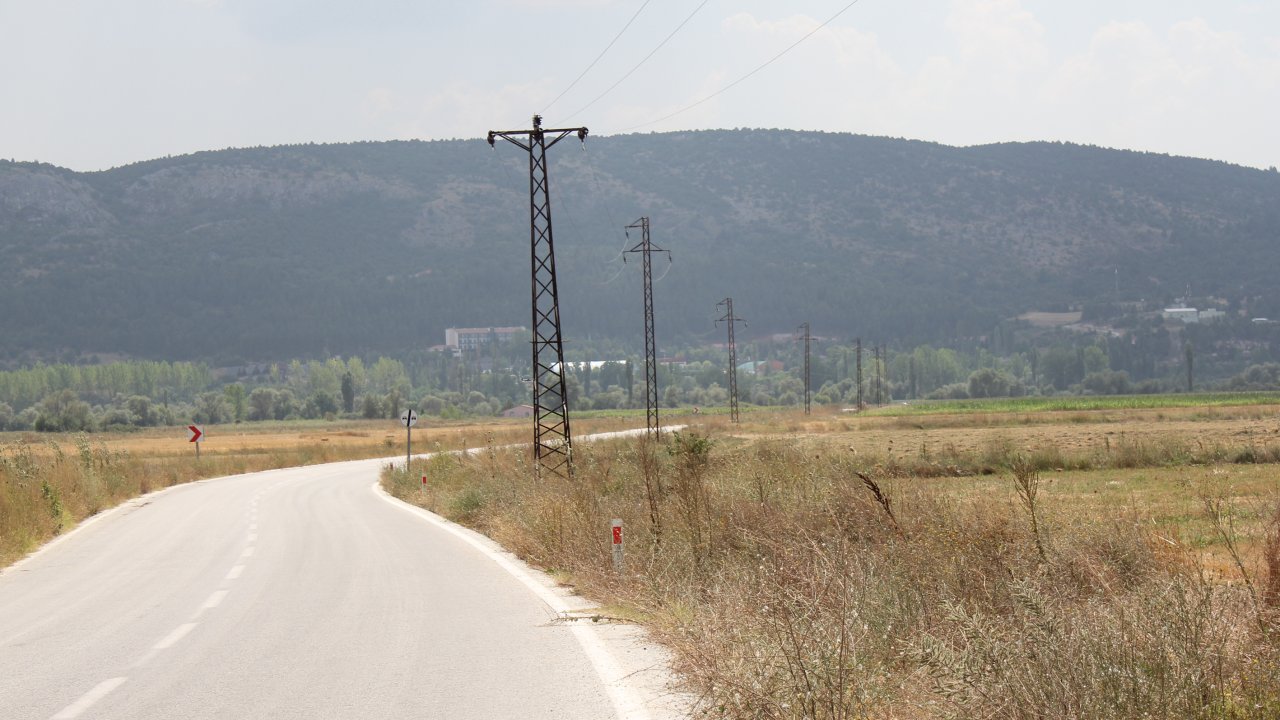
x=584, y=364
x=1192, y=315
x=1185, y=314
x=460, y=340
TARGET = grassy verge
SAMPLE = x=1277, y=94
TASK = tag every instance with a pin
x=796, y=578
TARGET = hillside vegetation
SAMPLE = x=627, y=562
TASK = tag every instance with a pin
x=273, y=253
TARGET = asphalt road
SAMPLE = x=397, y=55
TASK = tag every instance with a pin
x=304, y=593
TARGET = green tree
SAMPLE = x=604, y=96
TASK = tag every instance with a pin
x=990, y=383
x=235, y=400
x=321, y=404
x=262, y=404
x=285, y=405
x=139, y=407
x=348, y=392
x=63, y=412
x=371, y=407
x=211, y=408
x=1095, y=360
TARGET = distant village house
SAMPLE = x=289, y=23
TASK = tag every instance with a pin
x=519, y=411
x=461, y=340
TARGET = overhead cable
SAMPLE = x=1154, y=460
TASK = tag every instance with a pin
x=602, y=53
x=642, y=61
x=758, y=68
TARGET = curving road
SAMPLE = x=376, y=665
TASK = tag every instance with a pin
x=304, y=593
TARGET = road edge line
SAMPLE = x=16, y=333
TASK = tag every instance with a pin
x=90, y=522
x=626, y=702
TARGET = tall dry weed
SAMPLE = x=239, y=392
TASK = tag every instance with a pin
x=1271, y=561
x=791, y=587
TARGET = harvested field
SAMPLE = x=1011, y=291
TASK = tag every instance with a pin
x=1101, y=564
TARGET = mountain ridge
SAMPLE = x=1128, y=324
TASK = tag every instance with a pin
x=276, y=252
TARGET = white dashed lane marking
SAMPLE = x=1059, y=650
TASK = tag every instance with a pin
x=106, y=687
x=87, y=700
x=173, y=637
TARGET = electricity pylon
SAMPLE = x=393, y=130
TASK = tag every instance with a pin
x=646, y=248
x=552, y=441
x=875, y=349
x=733, y=355
x=861, y=399
x=805, y=328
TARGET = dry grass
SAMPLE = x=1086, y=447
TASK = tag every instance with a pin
x=48, y=483
x=797, y=578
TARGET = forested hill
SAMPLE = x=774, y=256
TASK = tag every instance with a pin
x=270, y=253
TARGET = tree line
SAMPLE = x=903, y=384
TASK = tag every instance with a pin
x=134, y=394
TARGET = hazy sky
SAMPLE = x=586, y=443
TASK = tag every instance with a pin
x=90, y=84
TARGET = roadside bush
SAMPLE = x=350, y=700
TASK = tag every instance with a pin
x=63, y=412
x=954, y=391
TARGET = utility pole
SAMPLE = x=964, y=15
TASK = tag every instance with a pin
x=552, y=440
x=861, y=399
x=884, y=373
x=1190, y=355
x=646, y=248
x=733, y=356
x=805, y=328
x=875, y=351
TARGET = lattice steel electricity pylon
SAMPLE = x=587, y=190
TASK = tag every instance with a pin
x=646, y=248
x=862, y=404
x=552, y=441
x=733, y=355
x=805, y=328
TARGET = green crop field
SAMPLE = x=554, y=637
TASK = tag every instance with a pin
x=1078, y=403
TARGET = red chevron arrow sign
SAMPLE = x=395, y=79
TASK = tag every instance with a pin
x=196, y=431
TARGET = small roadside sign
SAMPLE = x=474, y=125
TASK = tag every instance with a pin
x=408, y=419
x=196, y=435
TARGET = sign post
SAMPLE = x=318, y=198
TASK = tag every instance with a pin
x=617, y=544
x=197, y=436
x=409, y=418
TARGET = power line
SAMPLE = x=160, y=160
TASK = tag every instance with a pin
x=642, y=61
x=733, y=84
x=602, y=53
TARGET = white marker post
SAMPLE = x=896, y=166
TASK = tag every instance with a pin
x=409, y=418
x=617, y=545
